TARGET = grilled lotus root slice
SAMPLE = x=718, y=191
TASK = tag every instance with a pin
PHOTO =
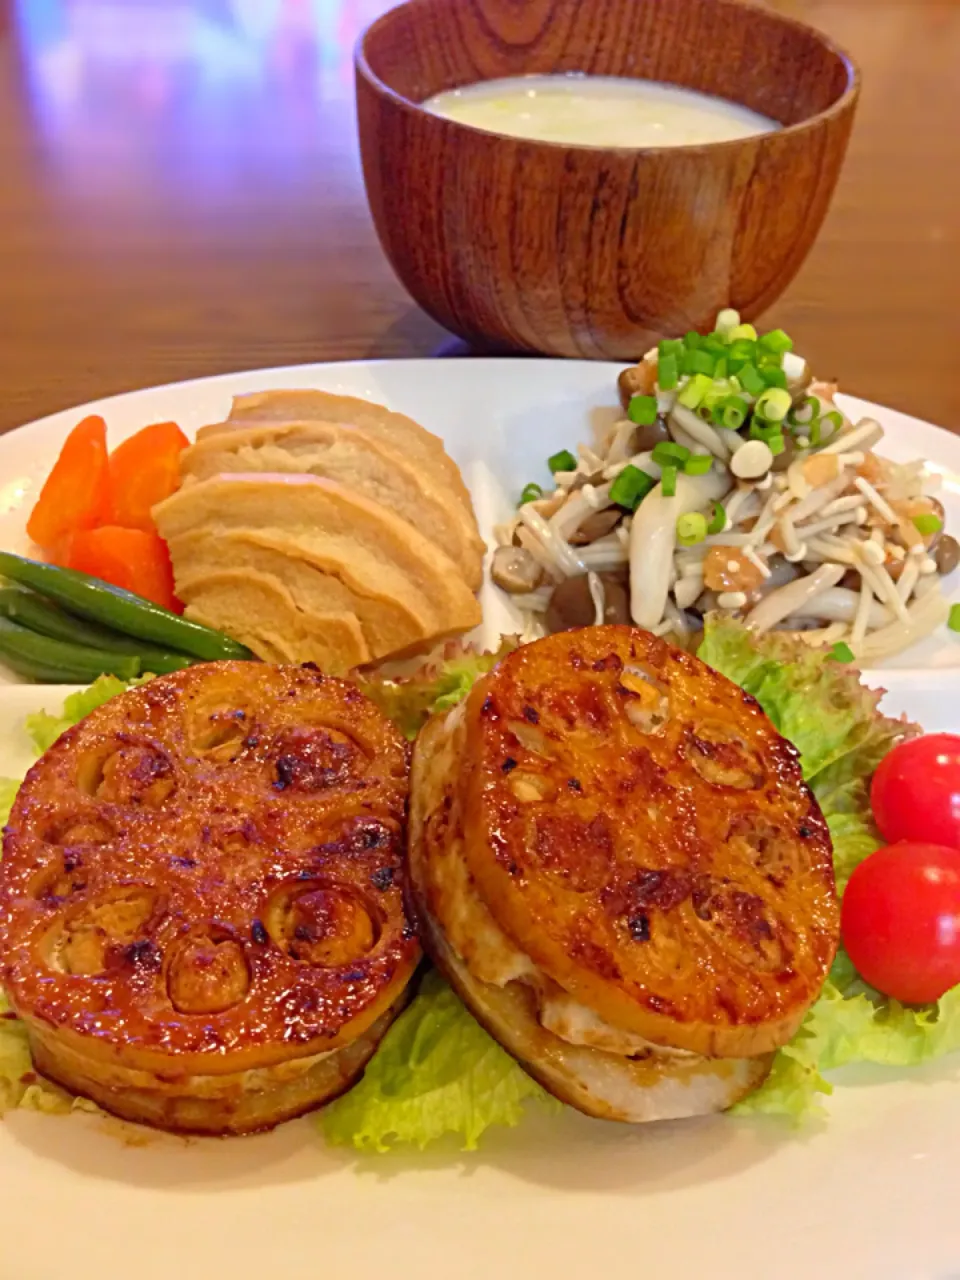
x=501, y=989
x=201, y=917
x=637, y=828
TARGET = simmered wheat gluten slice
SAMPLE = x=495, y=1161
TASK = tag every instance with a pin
x=355, y=458
x=260, y=610
x=306, y=609
x=420, y=445
x=371, y=550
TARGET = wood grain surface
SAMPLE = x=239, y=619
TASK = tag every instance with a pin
x=180, y=194
x=594, y=252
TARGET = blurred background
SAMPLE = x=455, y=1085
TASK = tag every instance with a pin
x=181, y=195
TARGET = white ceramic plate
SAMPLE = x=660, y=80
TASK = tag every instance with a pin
x=868, y=1196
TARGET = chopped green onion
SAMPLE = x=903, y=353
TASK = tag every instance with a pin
x=718, y=521
x=562, y=461
x=643, y=410
x=670, y=347
x=666, y=453
x=703, y=362
x=692, y=340
x=751, y=381
x=773, y=376
x=775, y=443
x=773, y=405
x=695, y=390
x=841, y=653
x=531, y=492
x=777, y=341
x=809, y=408
x=927, y=524
x=630, y=487
x=727, y=321
x=953, y=621
x=668, y=481
x=742, y=349
x=834, y=418
x=668, y=372
x=814, y=434
x=744, y=331
x=713, y=342
x=698, y=464
x=691, y=529
x=720, y=369
x=733, y=413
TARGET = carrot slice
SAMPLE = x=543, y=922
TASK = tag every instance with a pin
x=76, y=494
x=129, y=558
x=143, y=471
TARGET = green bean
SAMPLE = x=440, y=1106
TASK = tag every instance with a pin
x=60, y=662
x=120, y=610
x=46, y=619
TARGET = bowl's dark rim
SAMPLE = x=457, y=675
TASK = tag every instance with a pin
x=846, y=100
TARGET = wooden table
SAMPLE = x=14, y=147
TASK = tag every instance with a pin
x=180, y=195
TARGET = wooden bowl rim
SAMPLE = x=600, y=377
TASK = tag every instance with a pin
x=843, y=104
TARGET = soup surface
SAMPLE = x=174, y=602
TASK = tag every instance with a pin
x=600, y=111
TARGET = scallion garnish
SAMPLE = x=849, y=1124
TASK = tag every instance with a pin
x=692, y=340
x=814, y=434
x=670, y=347
x=834, y=418
x=630, y=487
x=744, y=331
x=720, y=369
x=691, y=529
x=668, y=372
x=953, y=621
x=668, y=481
x=733, y=413
x=927, y=524
x=718, y=521
x=704, y=362
x=773, y=376
x=695, y=390
x=562, y=461
x=531, y=492
x=751, y=381
x=643, y=410
x=777, y=341
x=666, y=453
x=727, y=321
x=841, y=653
x=698, y=464
x=775, y=443
x=773, y=405
x=741, y=350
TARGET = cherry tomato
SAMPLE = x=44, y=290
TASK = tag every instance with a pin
x=915, y=793
x=900, y=921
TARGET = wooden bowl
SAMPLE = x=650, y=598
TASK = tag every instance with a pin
x=592, y=251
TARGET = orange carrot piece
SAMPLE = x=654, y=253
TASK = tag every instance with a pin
x=143, y=471
x=128, y=558
x=76, y=494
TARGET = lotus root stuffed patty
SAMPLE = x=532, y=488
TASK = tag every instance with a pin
x=202, y=923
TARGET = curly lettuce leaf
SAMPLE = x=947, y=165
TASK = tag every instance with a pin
x=842, y=736
x=410, y=699
x=436, y=1072
x=44, y=729
x=8, y=793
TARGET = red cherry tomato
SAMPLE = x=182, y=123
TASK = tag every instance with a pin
x=900, y=921
x=915, y=793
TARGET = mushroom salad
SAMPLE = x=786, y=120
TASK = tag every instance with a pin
x=733, y=483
